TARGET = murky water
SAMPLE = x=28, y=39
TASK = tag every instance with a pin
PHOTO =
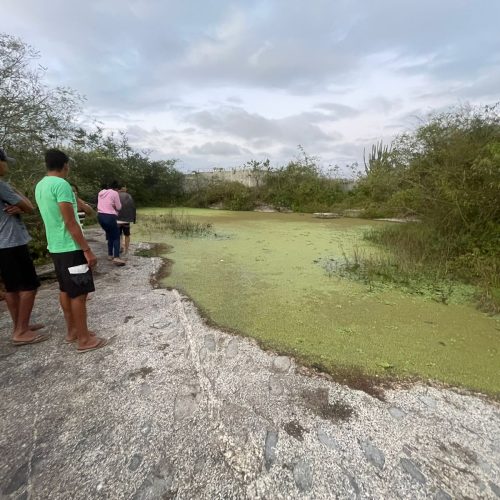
x=262, y=275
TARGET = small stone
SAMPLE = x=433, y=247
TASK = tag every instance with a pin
x=159, y=484
x=232, y=348
x=203, y=354
x=397, y=413
x=171, y=334
x=485, y=466
x=270, y=449
x=442, y=495
x=328, y=441
x=145, y=389
x=373, y=454
x=146, y=429
x=135, y=462
x=158, y=326
x=428, y=401
x=494, y=488
x=294, y=429
x=281, y=364
x=185, y=405
x=209, y=342
x=19, y=478
x=496, y=444
x=353, y=483
x=275, y=386
x=409, y=467
x=303, y=475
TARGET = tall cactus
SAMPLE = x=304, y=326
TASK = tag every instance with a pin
x=378, y=157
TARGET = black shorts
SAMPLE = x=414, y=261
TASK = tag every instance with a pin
x=124, y=229
x=17, y=269
x=73, y=284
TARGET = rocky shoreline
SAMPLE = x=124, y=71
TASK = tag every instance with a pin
x=176, y=409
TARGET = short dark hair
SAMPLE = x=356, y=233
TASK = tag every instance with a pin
x=110, y=184
x=55, y=159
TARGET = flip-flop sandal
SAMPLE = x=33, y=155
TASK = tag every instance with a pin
x=101, y=343
x=36, y=340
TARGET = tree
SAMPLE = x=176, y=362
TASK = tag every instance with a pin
x=34, y=115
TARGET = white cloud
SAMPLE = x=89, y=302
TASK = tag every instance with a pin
x=242, y=79
x=219, y=148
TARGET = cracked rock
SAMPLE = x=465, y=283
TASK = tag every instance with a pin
x=270, y=449
x=303, y=475
x=328, y=441
x=281, y=364
x=373, y=454
x=275, y=386
x=409, y=467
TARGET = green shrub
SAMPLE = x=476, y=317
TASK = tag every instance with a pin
x=229, y=195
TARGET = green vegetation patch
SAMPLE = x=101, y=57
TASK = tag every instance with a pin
x=265, y=282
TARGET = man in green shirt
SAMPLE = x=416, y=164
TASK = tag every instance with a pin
x=72, y=256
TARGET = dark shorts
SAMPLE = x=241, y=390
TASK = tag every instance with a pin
x=124, y=229
x=17, y=269
x=73, y=284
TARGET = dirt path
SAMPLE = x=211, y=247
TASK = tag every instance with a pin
x=175, y=409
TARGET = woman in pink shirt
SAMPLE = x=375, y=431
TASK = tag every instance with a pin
x=108, y=205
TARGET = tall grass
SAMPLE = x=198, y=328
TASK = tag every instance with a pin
x=416, y=253
x=178, y=224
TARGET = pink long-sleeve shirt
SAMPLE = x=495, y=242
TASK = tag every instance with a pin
x=108, y=202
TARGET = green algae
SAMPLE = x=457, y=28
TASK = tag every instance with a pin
x=259, y=274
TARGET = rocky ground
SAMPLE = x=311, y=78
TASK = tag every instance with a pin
x=176, y=409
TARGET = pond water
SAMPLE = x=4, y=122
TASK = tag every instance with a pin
x=263, y=275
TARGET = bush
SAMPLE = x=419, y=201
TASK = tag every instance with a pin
x=447, y=174
x=229, y=195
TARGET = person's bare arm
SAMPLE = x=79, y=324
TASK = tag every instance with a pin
x=23, y=206
x=84, y=207
x=75, y=230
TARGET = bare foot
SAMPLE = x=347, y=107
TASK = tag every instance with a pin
x=27, y=337
x=36, y=326
x=94, y=343
x=73, y=338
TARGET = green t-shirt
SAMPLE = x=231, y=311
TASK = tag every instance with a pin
x=49, y=192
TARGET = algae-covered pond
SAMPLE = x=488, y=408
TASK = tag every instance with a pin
x=262, y=274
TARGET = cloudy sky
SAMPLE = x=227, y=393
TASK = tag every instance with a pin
x=221, y=82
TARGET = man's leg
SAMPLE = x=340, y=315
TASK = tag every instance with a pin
x=86, y=340
x=72, y=324
x=65, y=302
x=122, y=238
x=127, y=243
x=12, y=300
x=26, y=301
x=20, y=305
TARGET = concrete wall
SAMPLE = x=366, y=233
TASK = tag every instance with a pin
x=198, y=179
x=195, y=180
